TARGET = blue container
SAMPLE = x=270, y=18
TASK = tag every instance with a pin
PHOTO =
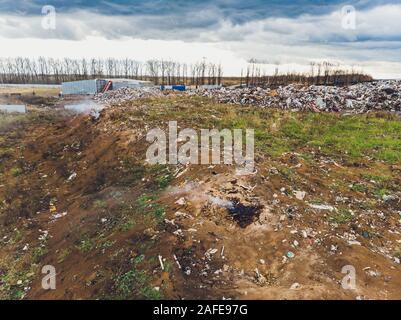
x=179, y=88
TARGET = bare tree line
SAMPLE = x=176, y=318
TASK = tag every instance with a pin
x=22, y=70
x=321, y=73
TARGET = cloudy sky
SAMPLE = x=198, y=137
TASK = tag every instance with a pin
x=286, y=33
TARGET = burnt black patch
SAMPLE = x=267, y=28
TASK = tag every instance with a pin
x=244, y=215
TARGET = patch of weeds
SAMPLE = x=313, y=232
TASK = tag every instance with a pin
x=397, y=253
x=85, y=245
x=15, y=172
x=132, y=172
x=100, y=204
x=287, y=173
x=168, y=266
x=148, y=207
x=159, y=212
x=63, y=255
x=17, y=237
x=377, y=179
x=128, y=225
x=162, y=176
x=38, y=253
x=359, y=187
x=106, y=245
x=144, y=201
x=150, y=293
x=343, y=216
x=135, y=284
x=12, y=285
x=163, y=181
x=380, y=192
x=188, y=250
x=366, y=205
x=318, y=201
x=13, y=282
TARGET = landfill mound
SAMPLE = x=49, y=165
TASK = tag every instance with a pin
x=362, y=97
x=359, y=98
x=125, y=94
x=76, y=193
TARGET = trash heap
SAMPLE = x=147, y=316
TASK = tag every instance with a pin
x=359, y=98
x=125, y=94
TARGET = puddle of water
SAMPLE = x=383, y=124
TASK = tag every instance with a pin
x=13, y=108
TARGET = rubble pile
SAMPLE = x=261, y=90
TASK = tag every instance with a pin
x=127, y=94
x=359, y=98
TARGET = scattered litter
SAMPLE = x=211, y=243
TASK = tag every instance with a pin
x=259, y=278
x=322, y=207
x=210, y=252
x=126, y=94
x=387, y=198
x=290, y=254
x=300, y=195
x=72, y=177
x=58, y=215
x=161, y=262
x=176, y=261
x=181, y=201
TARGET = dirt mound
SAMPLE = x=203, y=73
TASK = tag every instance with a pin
x=76, y=193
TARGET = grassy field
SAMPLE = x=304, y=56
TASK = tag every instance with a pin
x=41, y=91
x=352, y=136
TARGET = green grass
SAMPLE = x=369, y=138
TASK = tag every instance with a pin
x=16, y=171
x=277, y=131
x=343, y=216
x=38, y=253
x=85, y=245
x=135, y=284
x=358, y=187
x=63, y=255
x=147, y=206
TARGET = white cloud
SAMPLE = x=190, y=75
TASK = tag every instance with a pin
x=375, y=44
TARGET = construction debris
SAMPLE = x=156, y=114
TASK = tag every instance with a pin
x=127, y=94
x=358, y=98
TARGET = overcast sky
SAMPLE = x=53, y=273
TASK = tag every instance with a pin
x=290, y=34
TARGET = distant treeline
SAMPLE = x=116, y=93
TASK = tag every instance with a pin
x=54, y=71
x=22, y=70
x=322, y=73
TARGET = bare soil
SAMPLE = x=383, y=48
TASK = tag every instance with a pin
x=77, y=194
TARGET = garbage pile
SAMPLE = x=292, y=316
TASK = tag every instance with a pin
x=359, y=98
x=126, y=94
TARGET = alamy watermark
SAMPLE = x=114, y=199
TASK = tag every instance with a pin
x=348, y=20
x=49, y=17
x=349, y=281
x=49, y=280
x=196, y=149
